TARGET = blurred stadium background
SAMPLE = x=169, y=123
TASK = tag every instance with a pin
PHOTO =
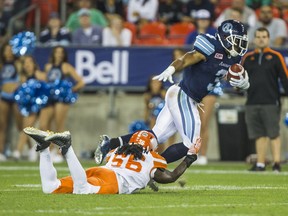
x=116, y=78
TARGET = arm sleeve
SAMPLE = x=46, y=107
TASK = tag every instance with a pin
x=204, y=46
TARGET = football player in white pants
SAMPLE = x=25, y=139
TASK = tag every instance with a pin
x=205, y=65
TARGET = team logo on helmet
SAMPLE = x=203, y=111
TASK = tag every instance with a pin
x=227, y=27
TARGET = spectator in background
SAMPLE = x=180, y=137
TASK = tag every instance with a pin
x=54, y=34
x=195, y=5
x=97, y=17
x=111, y=7
x=265, y=67
x=276, y=27
x=255, y=4
x=142, y=11
x=116, y=34
x=9, y=82
x=29, y=71
x=248, y=15
x=170, y=11
x=4, y=19
x=203, y=26
x=87, y=34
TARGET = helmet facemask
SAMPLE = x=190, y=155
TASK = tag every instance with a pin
x=237, y=44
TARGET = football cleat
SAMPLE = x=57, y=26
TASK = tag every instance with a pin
x=63, y=140
x=276, y=167
x=39, y=136
x=256, y=168
x=102, y=149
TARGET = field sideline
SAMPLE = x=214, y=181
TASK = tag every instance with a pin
x=217, y=189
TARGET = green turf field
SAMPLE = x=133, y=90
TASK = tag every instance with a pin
x=217, y=189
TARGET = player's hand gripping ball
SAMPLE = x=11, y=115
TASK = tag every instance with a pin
x=235, y=71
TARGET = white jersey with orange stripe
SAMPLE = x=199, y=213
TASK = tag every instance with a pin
x=133, y=174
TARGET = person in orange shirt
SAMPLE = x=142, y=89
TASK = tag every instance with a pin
x=129, y=168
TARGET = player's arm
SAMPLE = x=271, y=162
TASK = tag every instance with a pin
x=165, y=176
x=188, y=59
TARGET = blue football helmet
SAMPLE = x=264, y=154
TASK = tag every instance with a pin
x=232, y=35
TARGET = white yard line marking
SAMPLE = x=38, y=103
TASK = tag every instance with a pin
x=222, y=187
x=27, y=185
x=12, y=168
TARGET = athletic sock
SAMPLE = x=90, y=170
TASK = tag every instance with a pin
x=175, y=152
x=262, y=165
x=48, y=172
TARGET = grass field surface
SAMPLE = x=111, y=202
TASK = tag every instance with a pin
x=217, y=189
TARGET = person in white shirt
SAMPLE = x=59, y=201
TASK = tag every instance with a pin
x=116, y=34
x=140, y=11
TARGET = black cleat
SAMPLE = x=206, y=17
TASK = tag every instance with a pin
x=153, y=185
x=276, y=167
x=102, y=149
x=63, y=140
x=39, y=136
x=256, y=168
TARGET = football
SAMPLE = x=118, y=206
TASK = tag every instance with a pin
x=234, y=71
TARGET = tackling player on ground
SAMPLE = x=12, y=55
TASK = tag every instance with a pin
x=129, y=168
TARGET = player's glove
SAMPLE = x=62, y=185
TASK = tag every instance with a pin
x=192, y=152
x=242, y=83
x=166, y=75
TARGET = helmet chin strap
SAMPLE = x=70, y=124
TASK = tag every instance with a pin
x=233, y=53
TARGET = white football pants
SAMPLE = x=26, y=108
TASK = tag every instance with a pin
x=180, y=114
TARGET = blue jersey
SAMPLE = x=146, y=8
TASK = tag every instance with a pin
x=9, y=74
x=201, y=78
x=55, y=73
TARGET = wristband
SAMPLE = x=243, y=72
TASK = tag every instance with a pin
x=189, y=159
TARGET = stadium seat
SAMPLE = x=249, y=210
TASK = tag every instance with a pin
x=178, y=33
x=152, y=30
x=154, y=41
x=221, y=6
x=46, y=7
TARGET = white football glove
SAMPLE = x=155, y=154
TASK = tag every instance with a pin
x=242, y=83
x=166, y=75
x=194, y=149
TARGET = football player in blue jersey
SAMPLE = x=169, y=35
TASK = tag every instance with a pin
x=207, y=63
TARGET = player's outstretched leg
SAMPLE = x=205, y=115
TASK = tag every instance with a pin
x=63, y=140
x=102, y=149
x=39, y=136
x=48, y=172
